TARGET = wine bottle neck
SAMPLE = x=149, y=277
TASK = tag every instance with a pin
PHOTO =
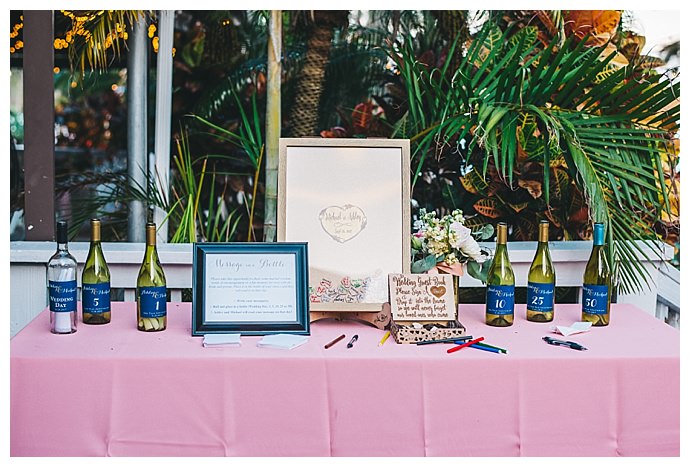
x=501, y=249
x=62, y=246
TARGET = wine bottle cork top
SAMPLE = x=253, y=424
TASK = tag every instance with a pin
x=544, y=231
x=61, y=232
x=150, y=233
x=502, y=233
x=598, y=233
x=95, y=230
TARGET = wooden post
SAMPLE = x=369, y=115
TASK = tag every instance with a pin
x=39, y=126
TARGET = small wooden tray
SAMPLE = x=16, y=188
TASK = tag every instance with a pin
x=406, y=334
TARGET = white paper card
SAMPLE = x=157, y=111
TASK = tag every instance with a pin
x=282, y=341
x=575, y=328
x=211, y=340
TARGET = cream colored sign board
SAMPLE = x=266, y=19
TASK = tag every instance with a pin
x=349, y=199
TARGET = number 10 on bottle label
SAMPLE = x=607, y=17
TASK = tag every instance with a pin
x=500, y=299
x=152, y=301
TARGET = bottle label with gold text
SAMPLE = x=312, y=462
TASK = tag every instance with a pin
x=500, y=299
x=595, y=299
x=539, y=297
x=152, y=301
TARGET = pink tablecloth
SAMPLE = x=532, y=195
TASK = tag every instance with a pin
x=113, y=391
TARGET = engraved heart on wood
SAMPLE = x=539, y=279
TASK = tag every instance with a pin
x=438, y=292
x=342, y=223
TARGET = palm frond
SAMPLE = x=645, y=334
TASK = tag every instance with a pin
x=609, y=127
x=97, y=36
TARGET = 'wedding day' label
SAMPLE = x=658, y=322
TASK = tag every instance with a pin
x=539, y=297
x=500, y=299
x=95, y=298
x=152, y=301
x=62, y=295
x=595, y=299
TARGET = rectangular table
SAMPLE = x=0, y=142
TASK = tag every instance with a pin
x=114, y=391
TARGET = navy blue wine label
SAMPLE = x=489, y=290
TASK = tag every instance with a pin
x=595, y=299
x=95, y=298
x=62, y=295
x=152, y=301
x=539, y=297
x=500, y=299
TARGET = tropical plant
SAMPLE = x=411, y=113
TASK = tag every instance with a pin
x=514, y=106
x=96, y=34
x=248, y=138
x=305, y=110
x=212, y=222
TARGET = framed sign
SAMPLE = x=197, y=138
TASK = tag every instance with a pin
x=349, y=199
x=250, y=288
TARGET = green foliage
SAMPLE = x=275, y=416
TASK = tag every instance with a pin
x=509, y=100
x=248, y=138
x=197, y=223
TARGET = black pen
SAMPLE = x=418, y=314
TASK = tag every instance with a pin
x=572, y=345
x=352, y=341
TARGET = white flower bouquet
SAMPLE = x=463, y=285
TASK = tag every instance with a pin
x=444, y=245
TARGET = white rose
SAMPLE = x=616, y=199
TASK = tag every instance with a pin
x=471, y=248
x=461, y=233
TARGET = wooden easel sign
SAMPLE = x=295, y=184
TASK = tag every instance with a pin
x=422, y=297
x=349, y=199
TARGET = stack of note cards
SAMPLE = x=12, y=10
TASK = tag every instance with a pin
x=219, y=340
x=282, y=341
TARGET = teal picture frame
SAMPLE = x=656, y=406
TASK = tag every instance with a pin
x=254, y=302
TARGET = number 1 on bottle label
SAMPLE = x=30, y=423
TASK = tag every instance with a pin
x=152, y=301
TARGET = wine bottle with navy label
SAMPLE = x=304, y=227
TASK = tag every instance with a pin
x=62, y=286
x=500, y=284
x=95, y=281
x=596, y=283
x=541, y=280
x=151, y=288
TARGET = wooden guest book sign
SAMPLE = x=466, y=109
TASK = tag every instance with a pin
x=422, y=297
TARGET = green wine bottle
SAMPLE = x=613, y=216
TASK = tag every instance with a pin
x=500, y=290
x=151, y=288
x=95, y=281
x=596, y=283
x=541, y=280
